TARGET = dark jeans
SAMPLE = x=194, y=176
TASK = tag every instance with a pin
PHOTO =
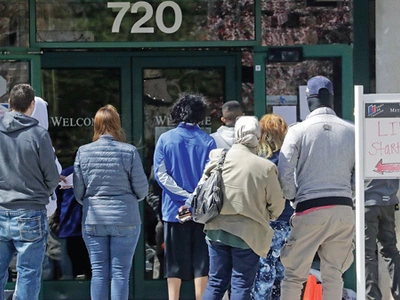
x=230, y=264
x=380, y=226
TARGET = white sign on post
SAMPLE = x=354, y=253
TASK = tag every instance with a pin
x=377, y=125
x=382, y=136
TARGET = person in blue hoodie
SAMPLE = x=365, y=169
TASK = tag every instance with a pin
x=267, y=284
x=28, y=176
x=179, y=160
x=380, y=205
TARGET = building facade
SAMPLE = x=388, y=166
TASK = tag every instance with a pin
x=139, y=56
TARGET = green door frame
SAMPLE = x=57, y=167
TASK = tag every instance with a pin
x=34, y=59
x=231, y=63
x=78, y=60
x=345, y=52
x=131, y=66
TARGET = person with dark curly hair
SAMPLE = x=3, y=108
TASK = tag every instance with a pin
x=179, y=159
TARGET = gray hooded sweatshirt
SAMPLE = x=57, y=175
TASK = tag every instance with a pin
x=28, y=174
x=224, y=137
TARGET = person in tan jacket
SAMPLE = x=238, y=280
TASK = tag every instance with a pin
x=240, y=234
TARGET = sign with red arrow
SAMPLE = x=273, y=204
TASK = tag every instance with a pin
x=387, y=168
x=382, y=140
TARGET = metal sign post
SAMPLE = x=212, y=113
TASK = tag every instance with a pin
x=360, y=233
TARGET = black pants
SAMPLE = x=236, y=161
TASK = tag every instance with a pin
x=380, y=226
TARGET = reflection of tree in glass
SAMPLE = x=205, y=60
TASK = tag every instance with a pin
x=90, y=20
x=209, y=82
x=14, y=24
x=294, y=23
x=285, y=78
x=73, y=95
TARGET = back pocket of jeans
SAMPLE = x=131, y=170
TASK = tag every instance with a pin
x=124, y=230
x=30, y=229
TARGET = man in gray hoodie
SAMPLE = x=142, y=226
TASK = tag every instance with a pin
x=28, y=175
x=225, y=135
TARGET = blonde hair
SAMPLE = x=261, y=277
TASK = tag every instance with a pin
x=273, y=131
x=107, y=121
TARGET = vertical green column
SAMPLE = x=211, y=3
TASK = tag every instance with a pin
x=260, y=102
x=362, y=53
x=347, y=85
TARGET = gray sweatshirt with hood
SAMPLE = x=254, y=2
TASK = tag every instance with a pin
x=224, y=137
x=28, y=173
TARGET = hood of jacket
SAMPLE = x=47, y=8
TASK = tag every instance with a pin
x=224, y=136
x=14, y=121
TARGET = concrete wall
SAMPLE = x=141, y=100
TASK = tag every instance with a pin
x=387, y=46
x=387, y=81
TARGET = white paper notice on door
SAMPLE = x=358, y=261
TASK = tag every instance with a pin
x=288, y=113
x=304, y=111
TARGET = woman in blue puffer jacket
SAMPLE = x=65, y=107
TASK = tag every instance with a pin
x=109, y=181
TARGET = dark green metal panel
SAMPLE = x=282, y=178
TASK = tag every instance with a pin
x=259, y=82
x=362, y=54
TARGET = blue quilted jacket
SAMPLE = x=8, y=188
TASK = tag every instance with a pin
x=109, y=181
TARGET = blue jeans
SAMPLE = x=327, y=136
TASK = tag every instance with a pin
x=267, y=284
x=24, y=232
x=230, y=264
x=111, y=250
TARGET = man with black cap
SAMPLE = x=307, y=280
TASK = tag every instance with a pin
x=316, y=166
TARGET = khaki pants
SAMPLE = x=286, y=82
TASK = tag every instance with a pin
x=328, y=232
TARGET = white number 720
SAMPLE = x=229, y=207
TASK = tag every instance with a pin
x=138, y=25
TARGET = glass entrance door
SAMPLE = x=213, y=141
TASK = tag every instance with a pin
x=159, y=84
x=143, y=89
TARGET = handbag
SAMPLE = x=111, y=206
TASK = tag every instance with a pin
x=208, y=197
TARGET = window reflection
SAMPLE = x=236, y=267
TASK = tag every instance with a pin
x=12, y=73
x=74, y=96
x=178, y=20
x=284, y=81
x=14, y=23
x=299, y=23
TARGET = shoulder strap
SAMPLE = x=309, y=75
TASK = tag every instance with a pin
x=221, y=159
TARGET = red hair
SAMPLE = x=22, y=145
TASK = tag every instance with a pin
x=273, y=131
x=107, y=121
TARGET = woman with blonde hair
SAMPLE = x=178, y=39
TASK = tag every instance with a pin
x=109, y=181
x=273, y=131
x=270, y=271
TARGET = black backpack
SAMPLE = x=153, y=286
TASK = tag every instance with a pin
x=208, y=197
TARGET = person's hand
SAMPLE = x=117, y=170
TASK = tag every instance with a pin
x=63, y=182
x=184, y=214
x=183, y=207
